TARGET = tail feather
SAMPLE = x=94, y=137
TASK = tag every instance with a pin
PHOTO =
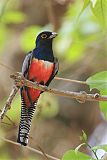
x=25, y=122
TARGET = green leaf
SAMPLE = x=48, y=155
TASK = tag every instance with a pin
x=93, y=2
x=103, y=105
x=86, y=4
x=84, y=137
x=13, y=17
x=98, y=81
x=99, y=8
x=28, y=38
x=72, y=155
x=104, y=147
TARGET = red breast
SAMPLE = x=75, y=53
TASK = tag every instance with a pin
x=39, y=71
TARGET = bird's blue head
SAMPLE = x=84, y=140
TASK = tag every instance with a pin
x=45, y=39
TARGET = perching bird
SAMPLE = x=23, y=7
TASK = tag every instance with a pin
x=39, y=66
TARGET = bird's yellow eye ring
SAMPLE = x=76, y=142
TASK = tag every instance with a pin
x=44, y=36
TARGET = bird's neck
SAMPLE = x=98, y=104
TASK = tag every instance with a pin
x=44, y=53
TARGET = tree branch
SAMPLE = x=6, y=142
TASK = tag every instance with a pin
x=8, y=102
x=21, y=81
x=70, y=80
x=29, y=148
x=81, y=96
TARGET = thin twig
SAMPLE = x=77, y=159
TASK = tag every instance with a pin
x=9, y=119
x=6, y=123
x=7, y=67
x=8, y=102
x=44, y=154
x=39, y=147
x=94, y=152
x=29, y=148
x=33, y=140
x=13, y=123
x=81, y=96
x=56, y=78
x=70, y=80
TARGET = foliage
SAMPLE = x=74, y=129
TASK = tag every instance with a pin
x=104, y=147
x=13, y=17
x=80, y=33
x=71, y=155
x=98, y=8
x=9, y=17
x=75, y=154
x=28, y=37
x=99, y=81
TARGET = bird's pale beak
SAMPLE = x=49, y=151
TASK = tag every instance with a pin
x=53, y=35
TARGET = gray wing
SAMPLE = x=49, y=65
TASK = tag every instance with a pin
x=26, y=64
x=56, y=66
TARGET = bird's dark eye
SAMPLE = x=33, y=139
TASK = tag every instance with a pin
x=44, y=36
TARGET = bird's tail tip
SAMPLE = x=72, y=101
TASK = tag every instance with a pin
x=23, y=140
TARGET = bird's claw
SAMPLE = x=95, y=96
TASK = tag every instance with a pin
x=18, y=79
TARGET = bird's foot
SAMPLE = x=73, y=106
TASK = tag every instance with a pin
x=18, y=79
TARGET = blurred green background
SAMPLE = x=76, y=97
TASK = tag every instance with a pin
x=81, y=49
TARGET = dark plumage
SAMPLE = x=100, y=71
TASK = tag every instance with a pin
x=40, y=66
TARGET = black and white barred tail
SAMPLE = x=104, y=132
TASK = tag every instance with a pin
x=25, y=122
